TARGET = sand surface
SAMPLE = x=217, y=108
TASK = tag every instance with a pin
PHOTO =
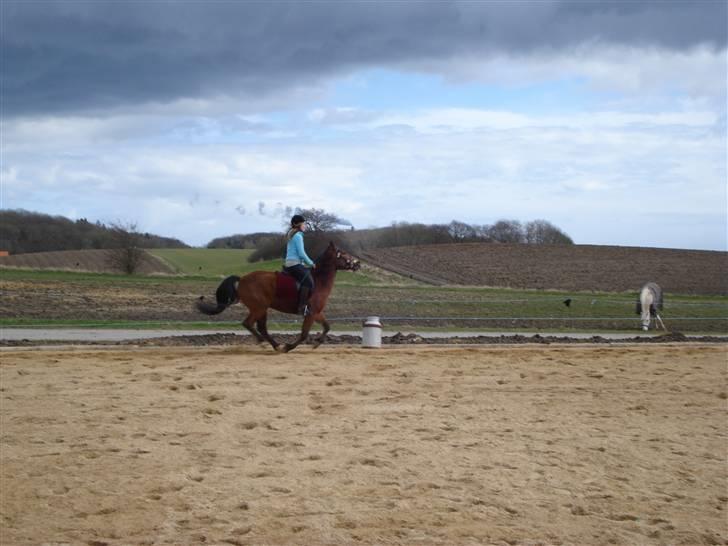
x=404, y=445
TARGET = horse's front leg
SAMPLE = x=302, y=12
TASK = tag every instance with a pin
x=305, y=329
x=321, y=319
x=646, y=318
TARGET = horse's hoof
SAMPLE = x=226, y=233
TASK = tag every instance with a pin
x=316, y=344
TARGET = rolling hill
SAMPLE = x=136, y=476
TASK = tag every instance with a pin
x=96, y=261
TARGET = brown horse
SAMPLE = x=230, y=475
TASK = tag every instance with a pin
x=261, y=290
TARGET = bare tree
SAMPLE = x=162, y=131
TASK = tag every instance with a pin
x=542, y=232
x=406, y=234
x=460, y=231
x=320, y=220
x=507, y=231
x=126, y=253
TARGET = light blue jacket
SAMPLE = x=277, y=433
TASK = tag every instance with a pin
x=295, y=253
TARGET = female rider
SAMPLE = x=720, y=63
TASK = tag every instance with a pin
x=297, y=262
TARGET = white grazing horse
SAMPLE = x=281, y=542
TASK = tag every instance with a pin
x=650, y=301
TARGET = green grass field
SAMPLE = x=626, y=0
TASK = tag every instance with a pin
x=208, y=263
x=212, y=262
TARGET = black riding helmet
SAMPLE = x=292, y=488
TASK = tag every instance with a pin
x=297, y=220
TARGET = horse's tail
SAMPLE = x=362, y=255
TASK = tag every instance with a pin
x=226, y=295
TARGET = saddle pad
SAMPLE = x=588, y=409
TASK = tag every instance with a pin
x=286, y=287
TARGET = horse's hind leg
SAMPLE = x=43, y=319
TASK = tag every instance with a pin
x=249, y=324
x=322, y=337
x=263, y=329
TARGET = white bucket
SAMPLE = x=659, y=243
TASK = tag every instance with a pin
x=372, y=333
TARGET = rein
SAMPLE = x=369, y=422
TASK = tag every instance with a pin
x=325, y=263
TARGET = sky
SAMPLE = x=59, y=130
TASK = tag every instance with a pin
x=199, y=120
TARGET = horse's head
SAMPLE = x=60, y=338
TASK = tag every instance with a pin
x=344, y=260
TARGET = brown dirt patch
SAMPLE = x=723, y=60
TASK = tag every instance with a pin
x=148, y=299
x=406, y=445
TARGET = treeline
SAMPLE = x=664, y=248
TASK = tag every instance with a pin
x=240, y=240
x=537, y=232
x=22, y=231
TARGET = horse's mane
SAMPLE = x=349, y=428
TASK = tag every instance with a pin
x=327, y=259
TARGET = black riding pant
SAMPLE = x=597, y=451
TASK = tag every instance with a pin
x=301, y=274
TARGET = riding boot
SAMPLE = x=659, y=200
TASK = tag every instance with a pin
x=303, y=296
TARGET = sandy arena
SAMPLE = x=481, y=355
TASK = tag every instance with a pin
x=404, y=445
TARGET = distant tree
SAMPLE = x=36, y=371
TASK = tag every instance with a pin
x=482, y=233
x=323, y=230
x=406, y=234
x=268, y=248
x=507, y=231
x=460, y=231
x=25, y=231
x=274, y=247
x=322, y=227
x=320, y=220
x=127, y=253
x=317, y=241
x=542, y=232
x=248, y=240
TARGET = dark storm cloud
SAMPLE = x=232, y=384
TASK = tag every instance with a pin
x=65, y=56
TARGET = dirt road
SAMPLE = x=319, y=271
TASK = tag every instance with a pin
x=405, y=445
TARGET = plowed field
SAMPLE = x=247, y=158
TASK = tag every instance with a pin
x=560, y=267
